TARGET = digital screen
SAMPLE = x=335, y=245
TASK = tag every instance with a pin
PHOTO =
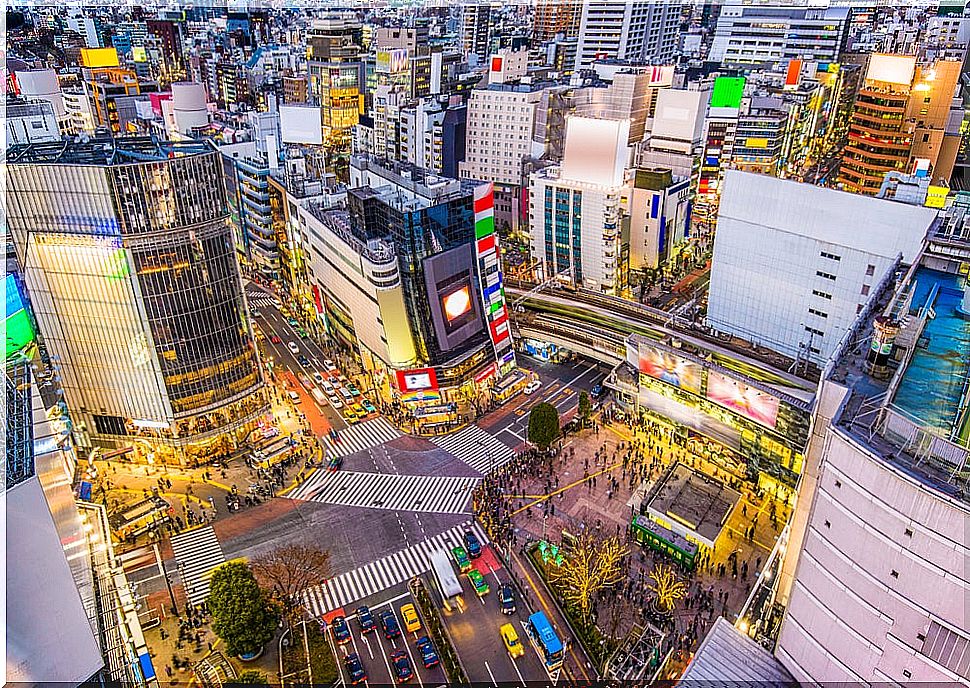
x=671, y=369
x=457, y=303
x=19, y=331
x=728, y=91
x=392, y=61
x=737, y=396
x=139, y=54
x=417, y=379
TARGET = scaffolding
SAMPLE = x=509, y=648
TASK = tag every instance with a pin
x=20, y=430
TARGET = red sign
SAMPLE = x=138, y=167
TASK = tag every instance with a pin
x=417, y=379
x=794, y=71
x=485, y=374
x=496, y=64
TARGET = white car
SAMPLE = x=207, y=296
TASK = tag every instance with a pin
x=328, y=365
x=327, y=387
x=336, y=403
x=293, y=347
x=318, y=377
x=532, y=387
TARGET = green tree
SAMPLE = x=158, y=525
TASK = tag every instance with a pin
x=242, y=614
x=585, y=407
x=252, y=677
x=543, y=424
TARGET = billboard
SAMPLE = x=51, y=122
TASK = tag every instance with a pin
x=737, y=396
x=456, y=303
x=728, y=91
x=99, y=57
x=417, y=380
x=666, y=367
x=392, y=61
x=301, y=124
x=139, y=54
x=19, y=330
x=455, y=315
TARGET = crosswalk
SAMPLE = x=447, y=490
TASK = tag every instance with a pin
x=356, y=438
x=475, y=447
x=197, y=552
x=384, y=573
x=259, y=300
x=425, y=493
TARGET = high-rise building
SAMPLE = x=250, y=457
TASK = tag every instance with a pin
x=247, y=171
x=128, y=256
x=902, y=120
x=112, y=89
x=875, y=574
x=636, y=31
x=553, y=17
x=659, y=216
x=476, y=30
x=760, y=35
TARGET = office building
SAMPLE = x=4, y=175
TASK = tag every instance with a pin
x=112, y=90
x=676, y=137
x=759, y=139
x=552, y=18
x=576, y=209
x=794, y=264
x=659, y=208
x=128, y=256
x=875, y=577
x=720, y=128
x=754, y=36
x=903, y=118
x=476, y=31
x=247, y=171
x=637, y=31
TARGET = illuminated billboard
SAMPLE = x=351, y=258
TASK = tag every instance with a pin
x=99, y=57
x=139, y=54
x=392, y=61
x=417, y=380
x=737, y=396
x=728, y=91
x=455, y=315
x=457, y=303
x=19, y=330
x=671, y=369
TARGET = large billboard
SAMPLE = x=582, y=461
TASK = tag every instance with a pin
x=301, y=124
x=744, y=399
x=19, y=330
x=666, y=367
x=728, y=91
x=455, y=314
x=392, y=61
x=417, y=380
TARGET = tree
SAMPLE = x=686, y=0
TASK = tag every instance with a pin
x=242, y=615
x=589, y=566
x=585, y=407
x=667, y=588
x=252, y=677
x=288, y=571
x=543, y=424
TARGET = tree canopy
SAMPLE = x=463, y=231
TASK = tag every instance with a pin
x=242, y=615
x=288, y=571
x=543, y=424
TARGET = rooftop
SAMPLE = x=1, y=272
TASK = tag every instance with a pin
x=103, y=150
x=694, y=500
x=727, y=657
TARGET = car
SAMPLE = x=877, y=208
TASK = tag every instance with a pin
x=275, y=338
x=353, y=390
x=472, y=545
x=303, y=360
x=329, y=366
x=349, y=412
x=532, y=387
x=461, y=558
x=365, y=619
x=369, y=407
x=428, y=655
x=506, y=597
x=335, y=402
x=343, y=379
x=389, y=625
x=318, y=377
x=511, y=641
x=257, y=314
x=293, y=347
x=293, y=322
x=402, y=666
x=410, y=615
x=335, y=463
x=327, y=387
x=341, y=633
x=478, y=582
x=597, y=390
x=294, y=397
x=345, y=393
x=355, y=669
x=359, y=410
x=303, y=334
x=304, y=380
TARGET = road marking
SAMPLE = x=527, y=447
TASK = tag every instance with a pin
x=516, y=667
x=489, y=670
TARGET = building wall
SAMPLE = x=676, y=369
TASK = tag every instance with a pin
x=751, y=35
x=499, y=135
x=880, y=577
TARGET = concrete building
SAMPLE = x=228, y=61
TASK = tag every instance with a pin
x=794, y=264
x=576, y=210
x=760, y=35
x=659, y=216
x=476, y=31
x=556, y=17
x=876, y=574
x=760, y=136
x=247, y=172
x=638, y=31
x=31, y=122
x=128, y=257
x=676, y=136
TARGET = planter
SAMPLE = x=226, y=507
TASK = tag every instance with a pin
x=251, y=656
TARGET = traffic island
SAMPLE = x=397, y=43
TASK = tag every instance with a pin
x=306, y=657
x=450, y=663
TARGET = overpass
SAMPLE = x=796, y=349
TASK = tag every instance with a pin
x=610, y=349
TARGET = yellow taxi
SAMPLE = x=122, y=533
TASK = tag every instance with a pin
x=410, y=615
x=511, y=640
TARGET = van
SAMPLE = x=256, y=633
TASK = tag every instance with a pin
x=319, y=396
x=294, y=397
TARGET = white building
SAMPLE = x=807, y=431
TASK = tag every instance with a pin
x=676, y=136
x=576, y=209
x=31, y=122
x=795, y=263
x=632, y=30
x=753, y=35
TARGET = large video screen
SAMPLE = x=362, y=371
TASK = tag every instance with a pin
x=456, y=303
x=671, y=369
x=19, y=331
x=737, y=396
x=456, y=309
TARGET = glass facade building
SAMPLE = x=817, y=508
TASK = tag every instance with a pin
x=129, y=258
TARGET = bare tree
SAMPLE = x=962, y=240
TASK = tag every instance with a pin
x=588, y=567
x=667, y=588
x=288, y=571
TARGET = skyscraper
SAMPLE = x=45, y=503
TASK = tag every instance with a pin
x=129, y=260
x=556, y=17
x=636, y=31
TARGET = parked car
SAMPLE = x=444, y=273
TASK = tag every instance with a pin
x=355, y=669
x=365, y=619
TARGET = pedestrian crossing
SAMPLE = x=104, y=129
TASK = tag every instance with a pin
x=424, y=493
x=259, y=300
x=357, y=438
x=477, y=448
x=385, y=573
x=197, y=552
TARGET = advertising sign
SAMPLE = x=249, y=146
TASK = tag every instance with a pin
x=728, y=91
x=19, y=331
x=674, y=370
x=417, y=379
x=457, y=303
x=737, y=396
x=392, y=61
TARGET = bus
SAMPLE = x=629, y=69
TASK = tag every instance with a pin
x=545, y=641
x=446, y=581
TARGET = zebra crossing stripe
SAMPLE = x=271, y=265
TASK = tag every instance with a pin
x=421, y=493
x=197, y=552
x=363, y=436
x=355, y=585
x=475, y=447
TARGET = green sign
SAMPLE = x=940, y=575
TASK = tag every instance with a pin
x=728, y=91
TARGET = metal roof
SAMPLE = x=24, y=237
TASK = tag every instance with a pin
x=727, y=658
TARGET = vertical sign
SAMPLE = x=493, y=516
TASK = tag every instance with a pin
x=489, y=273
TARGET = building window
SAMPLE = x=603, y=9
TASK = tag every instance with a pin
x=830, y=256
x=822, y=294
x=949, y=648
x=870, y=270
x=818, y=313
x=865, y=289
x=908, y=533
x=817, y=333
x=826, y=275
x=894, y=573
